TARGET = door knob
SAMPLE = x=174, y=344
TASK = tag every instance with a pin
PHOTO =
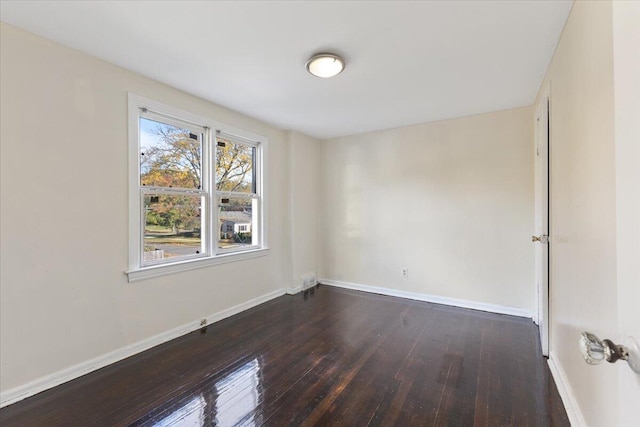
x=543, y=238
x=595, y=351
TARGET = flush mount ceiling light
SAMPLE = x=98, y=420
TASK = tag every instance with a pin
x=325, y=65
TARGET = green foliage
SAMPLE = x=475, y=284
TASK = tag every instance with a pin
x=174, y=212
x=153, y=218
x=242, y=237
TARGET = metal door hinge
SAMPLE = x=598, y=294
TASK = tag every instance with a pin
x=543, y=238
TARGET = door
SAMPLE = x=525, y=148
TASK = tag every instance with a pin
x=626, y=39
x=541, y=237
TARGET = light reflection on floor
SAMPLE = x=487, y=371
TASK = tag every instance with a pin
x=190, y=414
x=238, y=395
x=230, y=402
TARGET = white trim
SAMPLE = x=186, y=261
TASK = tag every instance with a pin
x=293, y=291
x=48, y=381
x=566, y=393
x=173, y=121
x=135, y=221
x=542, y=156
x=259, y=145
x=150, y=271
x=492, y=308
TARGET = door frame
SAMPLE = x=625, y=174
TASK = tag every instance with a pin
x=542, y=213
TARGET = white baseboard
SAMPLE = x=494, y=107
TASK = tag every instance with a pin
x=44, y=383
x=566, y=393
x=492, y=308
x=293, y=291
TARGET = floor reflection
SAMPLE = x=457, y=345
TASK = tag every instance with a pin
x=238, y=396
x=229, y=400
x=190, y=414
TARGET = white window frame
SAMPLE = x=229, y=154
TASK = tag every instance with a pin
x=203, y=192
x=211, y=254
x=236, y=139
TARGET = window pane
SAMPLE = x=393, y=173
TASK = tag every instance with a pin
x=235, y=166
x=169, y=156
x=172, y=227
x=237, y=223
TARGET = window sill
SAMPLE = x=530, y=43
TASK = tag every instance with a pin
x=192, y=264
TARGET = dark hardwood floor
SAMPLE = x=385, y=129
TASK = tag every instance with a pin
x=326, y=357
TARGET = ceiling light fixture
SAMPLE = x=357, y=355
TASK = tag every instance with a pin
x=325, y=65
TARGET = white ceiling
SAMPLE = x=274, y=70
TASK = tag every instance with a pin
x=407, y=62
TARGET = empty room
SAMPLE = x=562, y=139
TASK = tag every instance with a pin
x=331, y=213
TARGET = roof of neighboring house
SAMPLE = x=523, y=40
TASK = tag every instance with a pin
x=235, y=216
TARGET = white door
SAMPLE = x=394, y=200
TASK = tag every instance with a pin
x=626, y=37
x=541, y=237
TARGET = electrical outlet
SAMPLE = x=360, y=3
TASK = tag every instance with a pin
x=404, y=272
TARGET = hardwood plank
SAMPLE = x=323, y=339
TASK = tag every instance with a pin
x=326, y=357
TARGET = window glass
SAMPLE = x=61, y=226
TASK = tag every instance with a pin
x=169, y=156
x=173, y=225
x=235, y=171
x=237, y=224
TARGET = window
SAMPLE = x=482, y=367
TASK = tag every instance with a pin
x=171, y=189
x=236, y=193
x=196, y=195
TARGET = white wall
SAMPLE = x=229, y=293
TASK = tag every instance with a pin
x=452, y=201
x=583, y=206
x=64, y=296
x=304, y=207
